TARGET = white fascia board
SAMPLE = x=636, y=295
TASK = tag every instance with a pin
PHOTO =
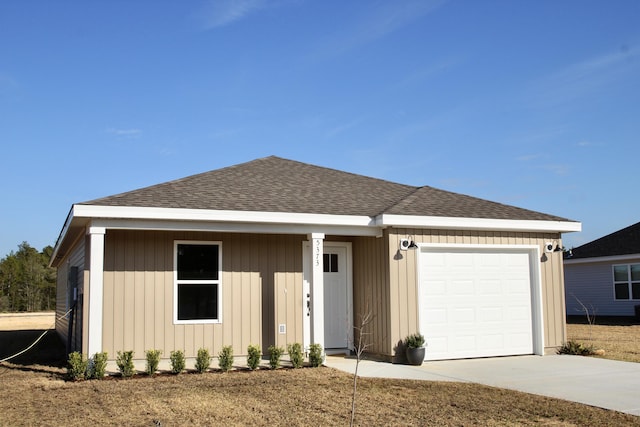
x=61, y=236
x=438, y=222
x=609, y=259
x=93, y=211
x=117, y=217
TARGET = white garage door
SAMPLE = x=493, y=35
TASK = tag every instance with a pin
x=475, y=303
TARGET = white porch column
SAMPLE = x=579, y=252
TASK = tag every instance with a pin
x=317, y=288
x=96, y=284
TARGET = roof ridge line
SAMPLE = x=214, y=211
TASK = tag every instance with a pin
x=405, y=197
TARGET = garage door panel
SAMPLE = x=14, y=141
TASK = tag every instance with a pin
x=490, y=342
x=491, y=287
x=465, y=343
x=475, y=303
x=435, y=288
x=436, y=317
x=491, y=314
x=464, y=315
x=462, y=287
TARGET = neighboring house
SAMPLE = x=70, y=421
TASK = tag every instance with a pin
x=603, y=276
x=275, y=251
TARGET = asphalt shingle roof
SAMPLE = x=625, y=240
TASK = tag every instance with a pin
x=273, y=184
x=621, y=242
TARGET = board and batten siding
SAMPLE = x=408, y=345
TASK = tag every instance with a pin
x=261, y=289
x=403, y=280
x=76, y=258
x=589, y=286
x=371, y=291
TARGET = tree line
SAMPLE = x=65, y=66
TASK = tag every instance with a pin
x=27, y=283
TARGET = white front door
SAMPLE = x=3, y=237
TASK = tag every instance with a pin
x=337, y=296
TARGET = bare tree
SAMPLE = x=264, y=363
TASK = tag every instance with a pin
x=590, y=313
x=360, y=345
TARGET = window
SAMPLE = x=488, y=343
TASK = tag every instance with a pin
x=330, y=263
x=626, y=281
x=197, y=289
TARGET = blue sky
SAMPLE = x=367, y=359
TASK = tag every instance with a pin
x=529, y=103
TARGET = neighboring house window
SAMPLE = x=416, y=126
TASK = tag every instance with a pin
x=626, y=281
x=198, y=289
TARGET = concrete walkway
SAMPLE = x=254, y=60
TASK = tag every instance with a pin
x=597, y=382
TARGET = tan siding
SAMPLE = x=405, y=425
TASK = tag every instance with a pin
x=159, y=315
x=149, y=292
x=138, y=284
x=371, y=290
x=404, y=281
x=288, y=294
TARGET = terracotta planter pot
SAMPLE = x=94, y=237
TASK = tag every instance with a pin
x=415, y=356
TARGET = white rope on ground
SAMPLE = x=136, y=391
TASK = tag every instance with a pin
x=36, y=341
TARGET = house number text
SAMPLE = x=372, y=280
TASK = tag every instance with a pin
x=318, y=252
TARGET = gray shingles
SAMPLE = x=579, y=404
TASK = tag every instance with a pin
x=273, y=184
x=621, y=242
x=431, y=201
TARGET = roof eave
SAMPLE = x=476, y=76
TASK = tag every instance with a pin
x=81, y=213
x=180, y=214
x=608, y=258
x=61, y=236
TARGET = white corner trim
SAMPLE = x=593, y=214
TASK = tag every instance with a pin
x=386, y=220
x=96, y=289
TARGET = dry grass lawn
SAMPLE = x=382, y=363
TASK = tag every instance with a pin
x=33, y=392
x=619, y=338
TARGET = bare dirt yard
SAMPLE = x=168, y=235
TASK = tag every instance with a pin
x=33, y=391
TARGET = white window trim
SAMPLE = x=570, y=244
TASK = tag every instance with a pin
x=176, y=321
x=629, y=282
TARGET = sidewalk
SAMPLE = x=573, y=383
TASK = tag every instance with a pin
x=597, y=382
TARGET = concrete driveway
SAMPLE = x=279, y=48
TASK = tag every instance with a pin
x=597, y=382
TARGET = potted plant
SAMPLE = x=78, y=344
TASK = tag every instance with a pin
x=414, y=345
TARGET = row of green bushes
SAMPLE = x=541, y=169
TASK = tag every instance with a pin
x=81, y=368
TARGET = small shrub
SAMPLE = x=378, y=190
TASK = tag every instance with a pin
x=576, y=348
x=295, y=354
x=203, y=360
x=315, y=355
x=414, y=340
x=125, y=363
x=153, y=360
x=77, y=366
x=177, y=361
x=225, y=358
x=275, y=354
x=254, y=353
x=98, y=366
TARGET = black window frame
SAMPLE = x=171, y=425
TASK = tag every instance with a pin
x=198, y=286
